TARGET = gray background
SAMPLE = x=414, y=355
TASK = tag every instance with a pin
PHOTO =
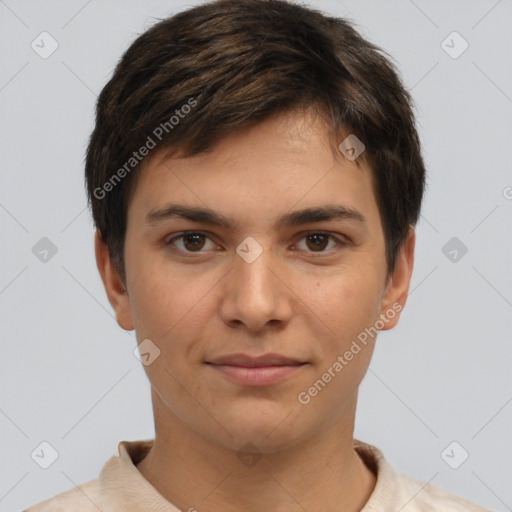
x=68, y=373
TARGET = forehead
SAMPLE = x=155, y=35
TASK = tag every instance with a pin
x=284, y=163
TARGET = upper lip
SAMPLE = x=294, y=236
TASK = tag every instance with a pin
x=246, y=360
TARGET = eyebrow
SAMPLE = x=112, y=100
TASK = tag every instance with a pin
x=295, y=218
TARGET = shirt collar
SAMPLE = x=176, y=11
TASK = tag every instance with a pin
x=124, y=488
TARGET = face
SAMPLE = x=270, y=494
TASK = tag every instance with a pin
x=257, y=270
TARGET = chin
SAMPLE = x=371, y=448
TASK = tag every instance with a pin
x=269, y=426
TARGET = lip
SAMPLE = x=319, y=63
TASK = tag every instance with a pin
x=270, y=359
x=263, y=370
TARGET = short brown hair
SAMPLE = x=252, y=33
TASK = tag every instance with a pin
x=229, y=64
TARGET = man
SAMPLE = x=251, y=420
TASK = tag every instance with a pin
x=254, y=176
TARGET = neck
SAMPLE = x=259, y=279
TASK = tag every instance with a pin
x=193, y=473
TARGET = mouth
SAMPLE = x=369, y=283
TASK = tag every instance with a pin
x=263, y=370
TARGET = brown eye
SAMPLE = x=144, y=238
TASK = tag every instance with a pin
x=317, y=241
x=320, y=242
x=194, y=241
x=190, y=242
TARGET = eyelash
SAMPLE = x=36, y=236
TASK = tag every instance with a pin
x=170, y=242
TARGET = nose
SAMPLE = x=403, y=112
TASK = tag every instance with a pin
x=256, y=294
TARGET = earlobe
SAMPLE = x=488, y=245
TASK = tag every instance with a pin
x=114, y=287
x=398, y=286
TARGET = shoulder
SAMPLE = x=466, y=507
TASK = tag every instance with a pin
x=82, y=498
x=418, y=496
x=397, y=491
x=118, y=486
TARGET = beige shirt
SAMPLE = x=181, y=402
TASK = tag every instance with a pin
x=122, y=488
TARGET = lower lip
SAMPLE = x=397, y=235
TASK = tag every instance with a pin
x=256, y=376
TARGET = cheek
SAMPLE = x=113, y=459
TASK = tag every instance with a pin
x=347, y=307
x=343, y=307
x=169, y=307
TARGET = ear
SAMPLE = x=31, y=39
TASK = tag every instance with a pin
x=397, y=287
x=116, y=293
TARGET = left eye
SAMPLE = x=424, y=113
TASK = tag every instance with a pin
x=319, y=241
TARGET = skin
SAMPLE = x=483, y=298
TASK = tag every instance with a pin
x=305, y=298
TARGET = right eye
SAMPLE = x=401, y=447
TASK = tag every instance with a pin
x=189, y=242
